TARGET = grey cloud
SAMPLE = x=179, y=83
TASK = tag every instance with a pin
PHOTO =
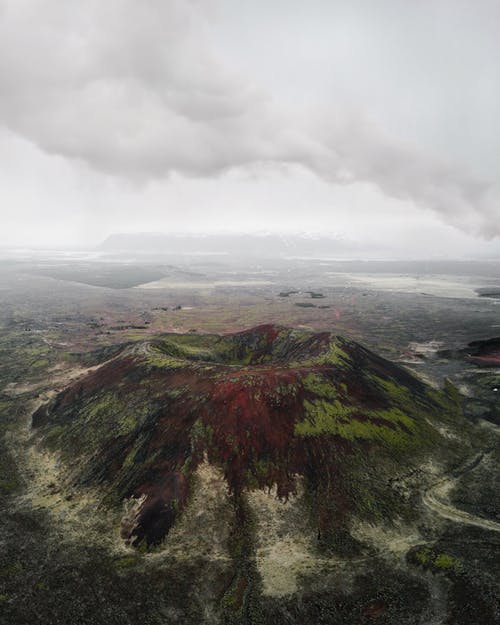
x=359, y=152
x=138, y=89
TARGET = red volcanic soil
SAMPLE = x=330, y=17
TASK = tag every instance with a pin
x=485, y=353
x=492, y=360
x=239, y=407
x=251, y=422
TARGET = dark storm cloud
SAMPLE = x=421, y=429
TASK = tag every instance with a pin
x=142, y=89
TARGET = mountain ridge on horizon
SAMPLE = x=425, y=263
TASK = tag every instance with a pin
x=256, y=243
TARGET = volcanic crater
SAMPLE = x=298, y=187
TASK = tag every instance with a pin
x=267, y=406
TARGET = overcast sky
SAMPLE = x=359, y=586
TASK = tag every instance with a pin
x=375, y=120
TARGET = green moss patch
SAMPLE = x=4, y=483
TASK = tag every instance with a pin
x=435, y=561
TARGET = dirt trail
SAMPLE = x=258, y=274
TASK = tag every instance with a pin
x=434, y=496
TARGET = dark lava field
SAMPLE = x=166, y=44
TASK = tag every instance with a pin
x=277, y=442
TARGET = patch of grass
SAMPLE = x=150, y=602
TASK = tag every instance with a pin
x=424, y=555
x=11, y=570
x=436, y=561
x=127, y=561
x=334, y=417
x=445, y=561
x=10, y=481
x=315, y=383
x=158, y=358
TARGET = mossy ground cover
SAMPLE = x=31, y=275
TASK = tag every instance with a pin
x=435, y=561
